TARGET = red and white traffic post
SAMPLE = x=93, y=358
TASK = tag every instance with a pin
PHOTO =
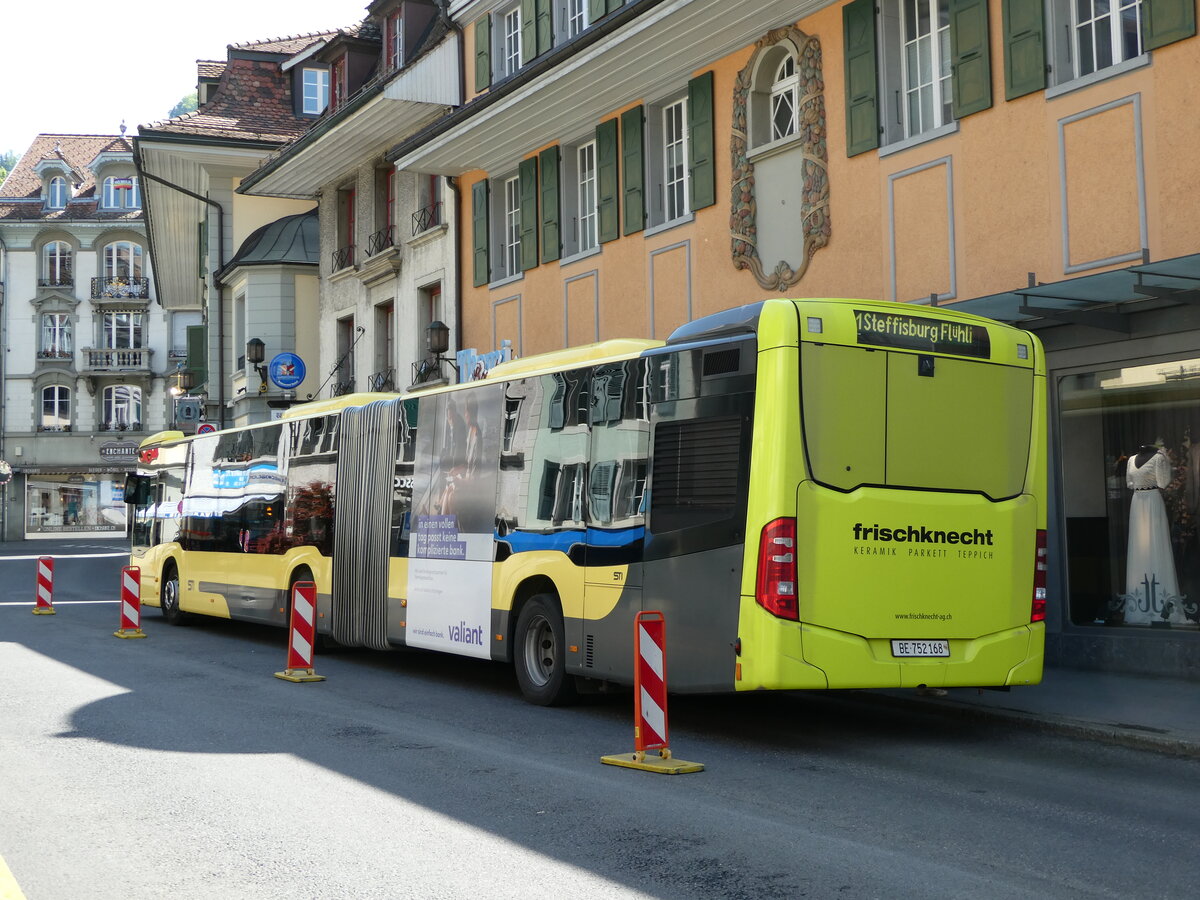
x=302, y=634
x=44, y=587
x=650, y=701
x=131, y=604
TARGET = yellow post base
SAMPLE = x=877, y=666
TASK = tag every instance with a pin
x=129, y=633
x=299, y=675
x=43, y=610
x=664, y=764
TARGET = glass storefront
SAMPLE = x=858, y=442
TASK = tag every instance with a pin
x=1130, y=441
x=74, y=504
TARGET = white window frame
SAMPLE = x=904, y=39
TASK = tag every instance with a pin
x=58, y=398
x=588, y=203
x=395, y=47
x=125, y=255
x=572, y=20
x=510, y=51
x=1082, y=30
x=785, y=88
x=57, y=193
x=676, y=202
x=926, y=92
x=122, y=325
x=122, y=405
x=657, y=156
x=511, y=228
x=56, y=335
x=57, y=262
x=314, y=91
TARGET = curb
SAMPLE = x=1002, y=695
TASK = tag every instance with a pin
x=1132, y=736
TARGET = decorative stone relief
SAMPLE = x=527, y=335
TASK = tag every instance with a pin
x=808, y=145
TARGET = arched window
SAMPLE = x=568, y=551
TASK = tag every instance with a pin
x=56, y=265
x=122, y=408
x=123, y=259
x=56, y=408
x=56, y=197
x=784, y=99
x=121, y=193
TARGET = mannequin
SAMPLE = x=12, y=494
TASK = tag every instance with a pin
x=1151, y=588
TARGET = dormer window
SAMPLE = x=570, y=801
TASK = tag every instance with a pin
x=57, y=193
x=393, y=40
x=121, y=193
x=316, y=91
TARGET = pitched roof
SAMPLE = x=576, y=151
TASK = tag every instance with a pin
x=209, y=68
x=252, y=100
x=76, y=151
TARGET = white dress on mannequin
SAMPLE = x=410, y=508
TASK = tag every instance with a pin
x=1150, y=581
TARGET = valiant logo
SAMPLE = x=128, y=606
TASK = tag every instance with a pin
x=462, y=634
x=913, y=534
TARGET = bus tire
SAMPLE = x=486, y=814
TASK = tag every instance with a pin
x=540, y=653
x=168, y=596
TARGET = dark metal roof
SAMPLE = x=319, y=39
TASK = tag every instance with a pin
x=292, y=240
x=1103, y=301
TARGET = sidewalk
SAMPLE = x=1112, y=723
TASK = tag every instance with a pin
x=1147, y=713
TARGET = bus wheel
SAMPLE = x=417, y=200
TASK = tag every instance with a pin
x=540, y=656
x=169, y=597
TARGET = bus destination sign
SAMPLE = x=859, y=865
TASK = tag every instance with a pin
x=918, y=333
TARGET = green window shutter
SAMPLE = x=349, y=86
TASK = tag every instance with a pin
x=479, y=231
x=633, y=170
x=862, y=79
x=483, y=53
x=197, y=354
x=1024, y=48
x=702, y=167
x=528, y=32
x=527, y=174
x=551, y=230
x=545, y=29
x=971, y=60
x=609, y=226
x=1167, y=21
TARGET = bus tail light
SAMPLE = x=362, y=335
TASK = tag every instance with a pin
x=776, y=588
x=1038, y=612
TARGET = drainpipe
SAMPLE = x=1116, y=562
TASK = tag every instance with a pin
x=216, y=284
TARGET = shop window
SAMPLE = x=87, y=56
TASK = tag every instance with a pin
x=74, y=504
x=1131, y=495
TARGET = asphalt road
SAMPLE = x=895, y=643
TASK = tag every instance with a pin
x=178, y=766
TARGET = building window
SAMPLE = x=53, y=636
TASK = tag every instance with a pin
x=56, y=196
x=56, y=336
x=511, y=238
x=314, y=91
x=56, y=265
x=122, y=408
x=785, y=100
x=121, y=193
x=123, y=259
x=926, y=65
x=56, y=408
x=579, y=210
x=575, y=14
x=429, y=203
x=510, y=42
x=1105, y=33
x=122, y=331
x=675, y=200
x=394, y=40
x=1129, y=495
x=343, y=256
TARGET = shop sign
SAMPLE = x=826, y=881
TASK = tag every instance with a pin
x=287, y=371
x=126, y=450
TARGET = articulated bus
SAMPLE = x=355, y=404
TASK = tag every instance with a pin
x=814, y=493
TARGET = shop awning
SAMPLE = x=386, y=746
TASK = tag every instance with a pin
x=1105, y=300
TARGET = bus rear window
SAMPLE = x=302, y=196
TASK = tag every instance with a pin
x=905, y=419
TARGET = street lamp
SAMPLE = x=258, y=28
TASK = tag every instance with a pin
x=182, y=381
x=256, y=352
x=437, y=341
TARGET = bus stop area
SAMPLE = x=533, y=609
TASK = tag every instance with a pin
x=1158, y=714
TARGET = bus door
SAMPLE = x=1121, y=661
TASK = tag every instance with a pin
x=619, y=419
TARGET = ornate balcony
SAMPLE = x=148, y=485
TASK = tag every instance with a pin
x=120, y=287
x=123, y=359
x=65, y=279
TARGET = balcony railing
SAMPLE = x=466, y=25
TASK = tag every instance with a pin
x=120, y=287
x=340, y=388
x=426, y=218
x=64, y=280
x=55, y=354
x=382, y=381
x=107, y=360
x=380, y=241
x=54, y=428
x=343, y=257
x=119, y=426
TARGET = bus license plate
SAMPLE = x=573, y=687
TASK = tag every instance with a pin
x=920, y=648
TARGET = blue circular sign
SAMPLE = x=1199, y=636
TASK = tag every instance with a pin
x=286, y=370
